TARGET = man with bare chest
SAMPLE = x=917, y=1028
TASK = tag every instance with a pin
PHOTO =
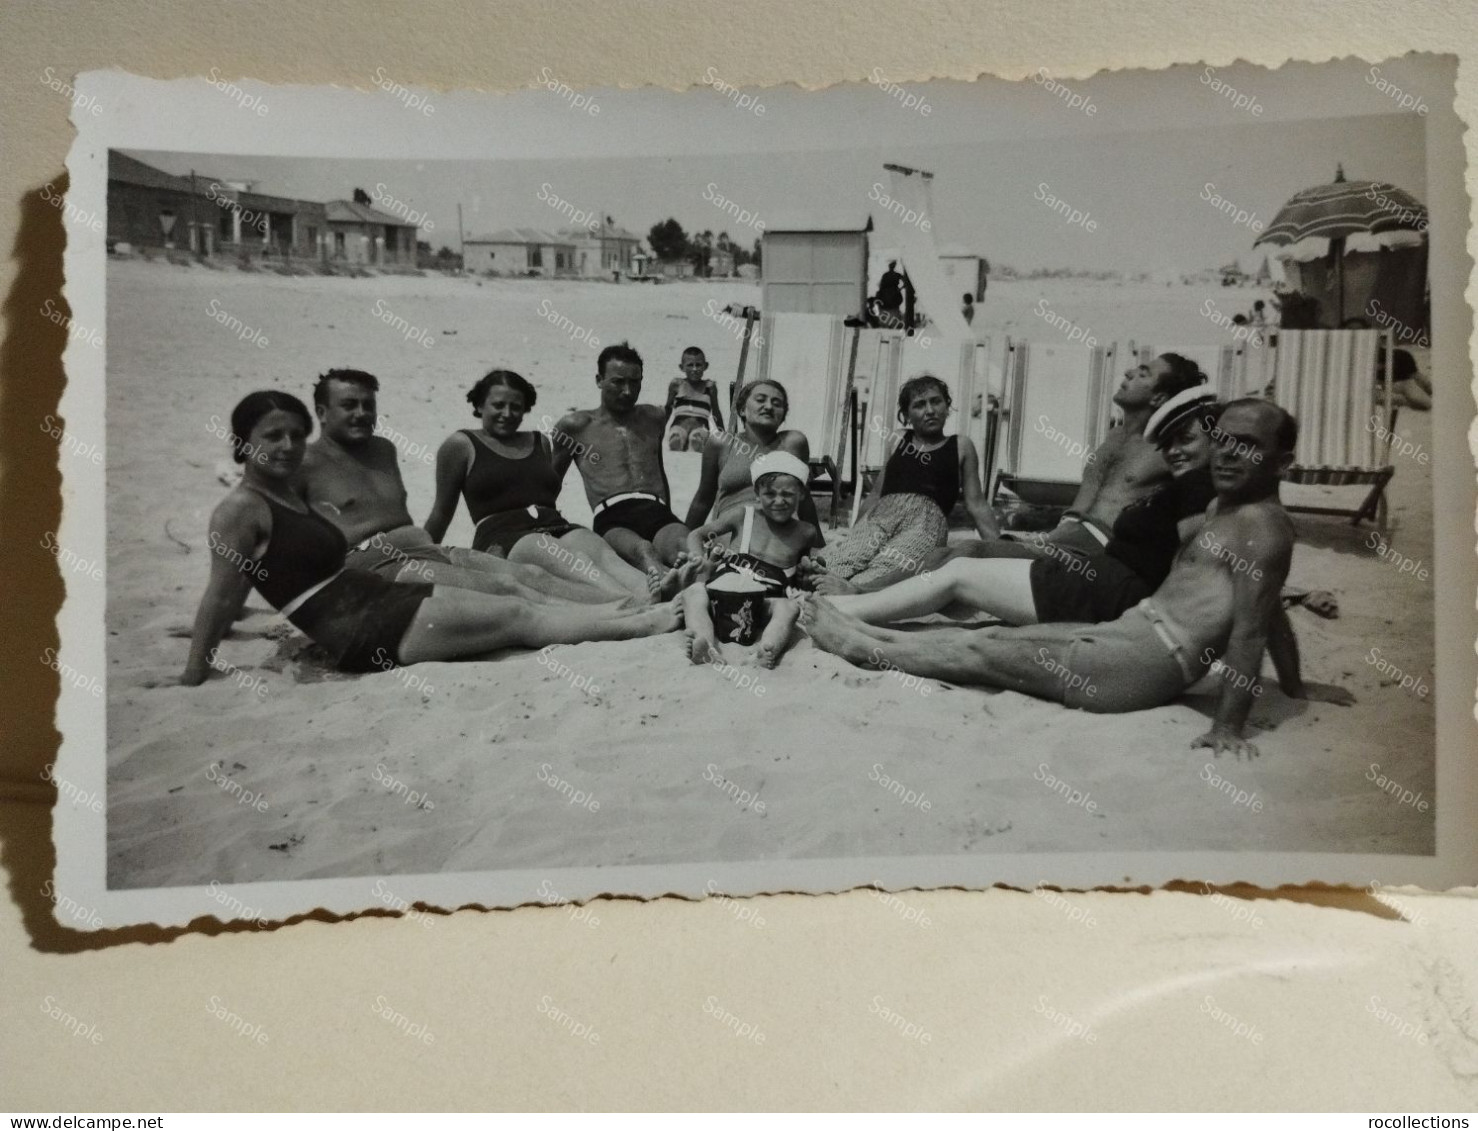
x=617, y=448
x=1123, y=469
x=352, y=477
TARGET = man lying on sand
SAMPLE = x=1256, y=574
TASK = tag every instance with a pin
x=618, y=449
x=353, y=476
x=1122, y=470
x=1214, y=611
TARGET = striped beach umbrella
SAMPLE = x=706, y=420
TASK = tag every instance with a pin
x=1342, y=209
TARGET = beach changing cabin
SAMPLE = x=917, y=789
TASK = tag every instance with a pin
x=966, y=271
x=815, y=265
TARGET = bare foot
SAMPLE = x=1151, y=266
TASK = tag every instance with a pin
x=830, y=629
x=830, y=585
x=767, y=655
x=689, y=569
x=701, y=649
x=655, y=580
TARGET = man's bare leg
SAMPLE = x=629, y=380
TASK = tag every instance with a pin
x=1000, y=587
x=1016, y=659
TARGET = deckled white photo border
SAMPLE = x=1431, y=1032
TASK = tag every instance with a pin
x=193, y=115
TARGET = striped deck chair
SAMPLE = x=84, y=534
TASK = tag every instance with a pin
x=1332, y=382
x=1055, y=395
x=810, y=355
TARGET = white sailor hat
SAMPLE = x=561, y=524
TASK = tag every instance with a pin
x=772, y=462
x=1179, y=408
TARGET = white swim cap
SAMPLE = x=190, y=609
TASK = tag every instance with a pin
x=783, y=462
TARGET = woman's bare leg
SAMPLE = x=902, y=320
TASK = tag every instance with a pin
x=999, y=587
x=487, y=573
x=631, y=580
x=571, y=564
x=453, y=623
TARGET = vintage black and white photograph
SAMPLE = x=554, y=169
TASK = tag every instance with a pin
x=533, y=496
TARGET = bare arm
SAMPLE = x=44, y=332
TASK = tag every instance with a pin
x=1283, y=651
x=671, y=400
x=1259, y=563
x=976, y=504
x=713, y=456
x=235, y=531
x=563, y=440
x=698, y=538
x=452, y=465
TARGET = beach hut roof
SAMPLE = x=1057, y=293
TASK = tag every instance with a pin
x=519, y=235
x=818, y=220
x=348, y=212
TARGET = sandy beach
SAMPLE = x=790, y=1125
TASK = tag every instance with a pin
x=623, y=753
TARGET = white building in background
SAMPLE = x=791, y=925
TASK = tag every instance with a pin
x=519, y=251
x=601, y=251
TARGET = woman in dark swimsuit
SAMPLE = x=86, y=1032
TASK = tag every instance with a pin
x=1146, y=537
x=507, y=478
x=907, y=515
x=264, y=536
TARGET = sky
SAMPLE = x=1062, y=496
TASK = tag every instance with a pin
x=1145, y=189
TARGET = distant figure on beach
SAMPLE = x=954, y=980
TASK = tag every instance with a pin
x=967, y=308
x=725, y=482
x=906, y=517
x=508, y=480
x=1124, y=468
x=768, y=543
x=692, y=410
x=1214, y=612
x=617, y=448
x=890, y=297
x=263, y=536
x=1259, y=314
x=353, y=476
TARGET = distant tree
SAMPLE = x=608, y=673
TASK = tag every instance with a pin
x=423, y=248
x=361, y=197
x=668, y=240
x=700, y=251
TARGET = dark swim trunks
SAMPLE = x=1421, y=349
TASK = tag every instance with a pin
x=499, y=533
x=643, y=517
x=359, y=618
x=380, y=556
x=1085, y=590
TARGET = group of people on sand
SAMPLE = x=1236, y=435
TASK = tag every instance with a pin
x=1170, y=563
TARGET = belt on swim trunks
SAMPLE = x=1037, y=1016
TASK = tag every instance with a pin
x=1092, y=527
x=1173, y=644
x=606, y=504
x=301, y=599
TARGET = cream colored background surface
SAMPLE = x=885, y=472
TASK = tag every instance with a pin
x=979, y=977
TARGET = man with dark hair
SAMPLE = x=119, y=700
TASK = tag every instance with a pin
x=618, y=450
x=1124, y=468
x=1215, y=612
x=352, y=477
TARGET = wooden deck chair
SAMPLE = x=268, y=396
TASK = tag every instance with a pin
x=1056, y=395
x=808, y=355
x=1332, y=382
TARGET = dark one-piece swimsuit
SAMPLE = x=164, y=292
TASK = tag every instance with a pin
x=509, y=499
x=358, y=617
